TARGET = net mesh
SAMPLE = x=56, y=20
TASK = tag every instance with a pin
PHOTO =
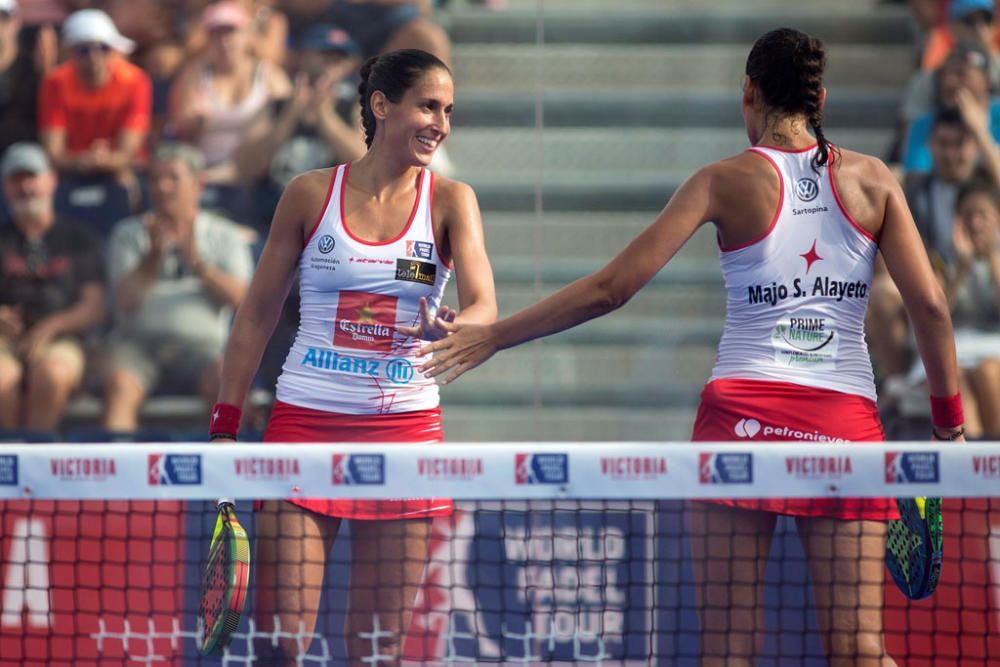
x=541, y=562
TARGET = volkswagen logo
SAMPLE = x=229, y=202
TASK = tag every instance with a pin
x=806, y=188
x=326, y=243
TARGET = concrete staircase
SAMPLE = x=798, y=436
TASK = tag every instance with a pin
x=573, y=143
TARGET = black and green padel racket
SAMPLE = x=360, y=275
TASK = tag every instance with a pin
x=915, y=545
x=225, y=582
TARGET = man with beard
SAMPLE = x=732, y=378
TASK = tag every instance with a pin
x=51, y=294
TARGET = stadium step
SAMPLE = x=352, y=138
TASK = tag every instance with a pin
x=513, y=66
x=464, y=423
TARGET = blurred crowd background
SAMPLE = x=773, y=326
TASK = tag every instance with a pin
x=145, y=144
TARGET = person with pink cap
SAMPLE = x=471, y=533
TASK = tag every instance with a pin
x=218, y=94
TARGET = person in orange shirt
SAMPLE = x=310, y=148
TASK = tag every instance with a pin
x=94, y=109
x=967, y=20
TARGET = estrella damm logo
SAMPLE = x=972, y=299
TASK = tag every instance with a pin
x=365, y=321
x=174, y=469
x=806, y=188
x=912, y=468
x=415, y=271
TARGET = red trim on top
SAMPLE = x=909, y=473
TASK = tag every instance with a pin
x=836, y=195
x=784, y=150
x=777, y=214
x=322, y=213
x=430, y=212
x=413, y=212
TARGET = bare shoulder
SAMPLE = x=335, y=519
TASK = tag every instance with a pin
x=864, y=184
x=868, y=170
x=310, y=184
x=451, y=195
x=305, y=196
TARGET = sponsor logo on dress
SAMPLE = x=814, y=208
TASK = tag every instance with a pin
x=8, y=470
x=397, y=371
x=421, y=249
x=415, y=271
x=912, y=468
x=450, y=468
x=983, y=466
x=541, y=468
x=83, y=469
x=326, y=244
x=725, y=468
x=266, y=468
x=806, y=188
x=365, y=321
x=819, y=467
x=633, y=467
x=174, y=469
x=355, y=469
x=747, y=428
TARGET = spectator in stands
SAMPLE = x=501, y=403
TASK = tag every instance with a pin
x=25, y=56
x=51, y=294
x=963, y=84
x=218, y=95
x=970, y=20
x=177, y=273
x=267, y=35
x=960, y=151
x=319, y=125
x=972, y=284
x=93, y=111
x=379, y=26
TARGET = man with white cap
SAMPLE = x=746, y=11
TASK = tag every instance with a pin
x=51, y=293
x=94, y=110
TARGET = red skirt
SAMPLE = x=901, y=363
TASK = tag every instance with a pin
x=291, y=423
x=758, y=410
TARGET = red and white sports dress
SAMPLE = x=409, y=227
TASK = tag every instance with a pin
x=793, y=362
x=350, y=376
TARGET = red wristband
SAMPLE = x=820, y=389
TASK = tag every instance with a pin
x=946, y=412
x=225, y=420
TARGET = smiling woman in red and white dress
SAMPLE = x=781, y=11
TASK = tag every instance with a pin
x=375, y=242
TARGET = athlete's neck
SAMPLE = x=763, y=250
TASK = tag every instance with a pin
x=382, y=179
x=787, y=132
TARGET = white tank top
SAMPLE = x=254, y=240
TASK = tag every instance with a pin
x=348, y=357
x=797, y=295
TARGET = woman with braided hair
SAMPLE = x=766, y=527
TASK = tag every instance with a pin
x=375, y=242
x=799, y=222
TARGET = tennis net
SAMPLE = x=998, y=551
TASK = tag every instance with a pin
x=568, y=553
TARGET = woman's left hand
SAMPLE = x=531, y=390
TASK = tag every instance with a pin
x=468, y=346
x=432, y=326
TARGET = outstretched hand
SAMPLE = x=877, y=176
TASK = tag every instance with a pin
x=468, y=346
x=432, y=326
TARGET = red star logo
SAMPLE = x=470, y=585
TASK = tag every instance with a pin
x=810, y=257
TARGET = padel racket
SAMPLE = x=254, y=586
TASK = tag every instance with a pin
x=224, y=584
x=914, y=546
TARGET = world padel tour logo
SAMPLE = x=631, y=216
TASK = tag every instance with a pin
x=912, y=468
x=982, y=466
x=541, y=468
x=450, y=468
x=80, y=469
x=365, y=321
x=421, y=249
x=725, y=468
x=267, y=468
x=174, y=469
x=633, y=467
x=8, y=470
x=352, y=469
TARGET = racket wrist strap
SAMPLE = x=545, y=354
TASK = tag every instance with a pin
x=953, y=434
x=946, y=411
x=225, y=421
